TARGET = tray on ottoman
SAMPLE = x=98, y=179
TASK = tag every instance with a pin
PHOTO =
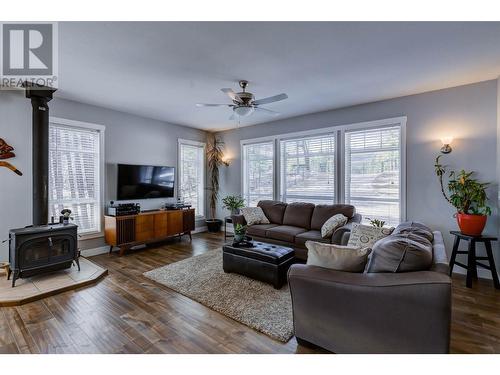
x=265, y=262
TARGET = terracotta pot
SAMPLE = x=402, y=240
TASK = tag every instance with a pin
x=471, y=225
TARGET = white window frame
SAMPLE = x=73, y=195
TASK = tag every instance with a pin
x=340, y=154
x=254, y=141
x=203, y=145
x=102, y=181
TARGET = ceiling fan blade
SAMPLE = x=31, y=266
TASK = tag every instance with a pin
x=271, y=99
x=266, y=111
x=213, y=105
x=232, y=95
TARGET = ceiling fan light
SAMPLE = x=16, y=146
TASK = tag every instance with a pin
x=243, y=111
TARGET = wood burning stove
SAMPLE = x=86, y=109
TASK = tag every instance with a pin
x=40, y=249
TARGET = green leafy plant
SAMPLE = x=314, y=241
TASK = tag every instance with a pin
x=215, y=153
x=240, y=229
x=466, y=193
x=376, y=222
x=233, y=202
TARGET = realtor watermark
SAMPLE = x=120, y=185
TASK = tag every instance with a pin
x=28, y=53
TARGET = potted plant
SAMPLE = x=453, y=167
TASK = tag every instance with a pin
x=377, y=223
x=66, y=215
x=214, y=161
x=233, y=203
x=468, y=196
x=239, y=232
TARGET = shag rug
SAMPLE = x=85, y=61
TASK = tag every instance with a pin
x=251, y=302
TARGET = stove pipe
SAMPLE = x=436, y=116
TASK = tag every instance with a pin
x=40, y=96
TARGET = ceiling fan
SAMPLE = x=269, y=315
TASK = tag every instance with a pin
x=244, y=103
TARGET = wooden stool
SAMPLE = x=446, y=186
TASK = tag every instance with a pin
x=472, y=259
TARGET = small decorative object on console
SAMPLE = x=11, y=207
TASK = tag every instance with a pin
x=123, y=209
x=66, y=215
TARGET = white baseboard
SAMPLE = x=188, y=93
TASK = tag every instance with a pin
x=95, y=251
x=105, y=249
x=199, y=230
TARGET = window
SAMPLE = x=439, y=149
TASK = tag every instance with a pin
x=258, y=172
x=192, y=175
x=373, y=172
x=75, y=167
x=360, y=164
x=308, y=169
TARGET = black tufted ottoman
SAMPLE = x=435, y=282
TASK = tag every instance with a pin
x=265, y=262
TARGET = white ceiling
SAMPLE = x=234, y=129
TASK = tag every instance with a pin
x=161, y=69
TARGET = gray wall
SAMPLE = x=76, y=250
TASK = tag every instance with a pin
x=468, y=113
x=128, y=139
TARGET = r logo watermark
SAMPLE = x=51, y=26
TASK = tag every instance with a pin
x=28, y=53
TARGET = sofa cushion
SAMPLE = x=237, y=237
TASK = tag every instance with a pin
x=311, y=235
x=322, y=212
x=336, y=257
x=298, y=214
x=285, y=233
x=332, y=224
x=259, y=230
x=366, y=235
x=254, y=215
x=404, y=252
x=274, y=210
x=416, y=228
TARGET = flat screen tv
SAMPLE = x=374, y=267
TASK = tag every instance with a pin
x=145, y=181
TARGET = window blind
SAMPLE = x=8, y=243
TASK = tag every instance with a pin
x=258, y=172
x=373, y=172
x=191, y=176
x=308, y=169
x=74, y=175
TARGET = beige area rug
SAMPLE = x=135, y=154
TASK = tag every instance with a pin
x=253, y=303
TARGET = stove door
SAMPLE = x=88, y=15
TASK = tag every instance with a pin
x=40, y=251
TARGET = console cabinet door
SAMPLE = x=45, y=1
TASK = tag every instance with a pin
x=188, y=220
x=174, y=223
x=144, y=228
x=160, y=223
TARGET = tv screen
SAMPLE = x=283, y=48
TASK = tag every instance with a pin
x=145, y=181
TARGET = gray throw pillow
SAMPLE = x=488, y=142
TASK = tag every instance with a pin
x=336, y=257
x=416, y=228
x=331, y=225
x=404, y=252
x=254, y=215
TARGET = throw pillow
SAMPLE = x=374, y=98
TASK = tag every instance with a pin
x=404, y=252
x=416, y=228
x=254, y=215
x=329, y=227
x=366, y=235
x=336, y=257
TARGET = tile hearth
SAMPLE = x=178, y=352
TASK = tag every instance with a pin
x=40, y=286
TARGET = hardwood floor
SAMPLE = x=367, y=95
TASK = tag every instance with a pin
x=128, y=313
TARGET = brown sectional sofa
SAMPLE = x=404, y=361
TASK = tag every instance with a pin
x=292, y=224
x=390, y=312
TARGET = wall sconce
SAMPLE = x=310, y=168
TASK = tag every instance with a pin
x=446, y=149
x=226, y=161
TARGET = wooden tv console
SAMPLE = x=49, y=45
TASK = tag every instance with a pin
x=145, y=227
